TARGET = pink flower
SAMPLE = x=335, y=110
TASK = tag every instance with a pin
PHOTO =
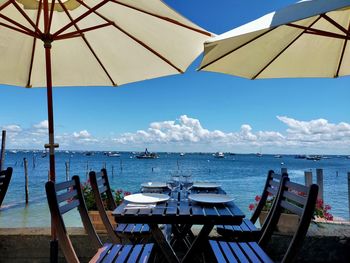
x=327, y=207
x=251, y=207
x=127, y=193
x=257, y=198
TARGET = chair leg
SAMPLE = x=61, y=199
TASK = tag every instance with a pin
x=54, y=251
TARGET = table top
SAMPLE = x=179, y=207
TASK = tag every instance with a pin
x=181, y=212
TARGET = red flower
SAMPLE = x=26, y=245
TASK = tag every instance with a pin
x=127, y=193
x=251, y=207
x=327, y=207
x=257, y=198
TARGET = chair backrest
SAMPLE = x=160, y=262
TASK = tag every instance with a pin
x=62, y=198
x=5, y=178
x=296, y=199
x=271, y=188
x=103, y=193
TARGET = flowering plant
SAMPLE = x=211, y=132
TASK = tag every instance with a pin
x=90, y=199
x=321, y=209
x=119, y=196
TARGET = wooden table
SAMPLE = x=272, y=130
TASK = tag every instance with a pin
x=184, y=213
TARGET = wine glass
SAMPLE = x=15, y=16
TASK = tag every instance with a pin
x=173, y=184
x=187, y=184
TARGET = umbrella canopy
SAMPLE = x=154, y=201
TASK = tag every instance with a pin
x=306, y=39
x=92, y=42
x=95, y=43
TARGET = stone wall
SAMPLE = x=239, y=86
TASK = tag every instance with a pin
x=324, y=243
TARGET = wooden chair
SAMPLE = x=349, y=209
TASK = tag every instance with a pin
x=5, y=178
x=287, y=199
x=247, y=230
x=134, y=233
x=63, y=197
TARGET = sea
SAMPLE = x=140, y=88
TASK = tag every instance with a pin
x=242, y=176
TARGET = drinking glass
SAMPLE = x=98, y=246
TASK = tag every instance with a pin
x=187, y=184
x=173, y=184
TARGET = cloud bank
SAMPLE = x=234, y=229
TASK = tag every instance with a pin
x=187, y=134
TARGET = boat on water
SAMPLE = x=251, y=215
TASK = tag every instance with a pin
x=300, y=156
x=147, y=155
x=113, y=154
x=278, y=156
x=313, y=157
x=259, y=154
x=219, y=155
x=182, y=154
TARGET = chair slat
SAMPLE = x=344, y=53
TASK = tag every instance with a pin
x=102, y=189
x=274, y=183
x=146, y=253
x=249, y=252
x=71, y=205
x=292, y=208
x=100, y=181
x=102, y=252
x=135, y=254
x=112, y=254
x=121, y=227
x=217, y=251
x=250, y=225
x=66, y=196
x=228, y=252
x=295, y=198
x=123, y=254
x=272, y=191
x=297, y=187
x=276, y=176
x=261, y=253
x=239, y=253
x=64, y=185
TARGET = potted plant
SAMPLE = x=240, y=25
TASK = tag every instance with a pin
x=92, y=208
x=288, y=221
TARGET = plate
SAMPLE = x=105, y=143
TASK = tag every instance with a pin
x=154, y=185
x=146, y=198
x=210, y=198
x=205, y=185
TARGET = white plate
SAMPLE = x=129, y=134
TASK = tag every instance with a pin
x=210, y=198
x=205, y=185
x=154, y=185
x=146, y=198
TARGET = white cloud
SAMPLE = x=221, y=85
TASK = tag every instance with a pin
x=188, y=134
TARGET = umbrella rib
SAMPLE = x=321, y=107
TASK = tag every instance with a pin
x=134, y=38
x=80, y=32
x=342, y=53
x=51, y=16
x=235, y=49
x=93, y=9
x=33, y=48
x=18, y=30
x=285, y=48
x=163, y=18
x=25, y=16
x=29, y=31
x=88, y=44
x=319, y=32
x=334, y=23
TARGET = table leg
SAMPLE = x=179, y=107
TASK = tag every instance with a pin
x=198, y=243
x=163, y=244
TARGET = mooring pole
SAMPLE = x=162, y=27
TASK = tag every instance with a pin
x=319, y=178
x=25, y=162
x=2, y=157
x=308, y=178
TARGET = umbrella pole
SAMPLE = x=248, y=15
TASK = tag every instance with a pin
x=51, y=145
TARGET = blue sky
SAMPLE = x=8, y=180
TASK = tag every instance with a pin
x=219, y=106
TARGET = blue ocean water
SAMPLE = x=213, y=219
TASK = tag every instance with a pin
x=242, y=176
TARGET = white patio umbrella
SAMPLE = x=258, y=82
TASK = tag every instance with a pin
x=92, y=43
x=306, y=39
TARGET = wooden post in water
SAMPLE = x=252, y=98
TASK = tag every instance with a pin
x=319, y=175
x=33, y=160
x=349, y=192
x=3, y=143
x=67, y=170
x=308, y=178
x=121, y=165
x=26, y=179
